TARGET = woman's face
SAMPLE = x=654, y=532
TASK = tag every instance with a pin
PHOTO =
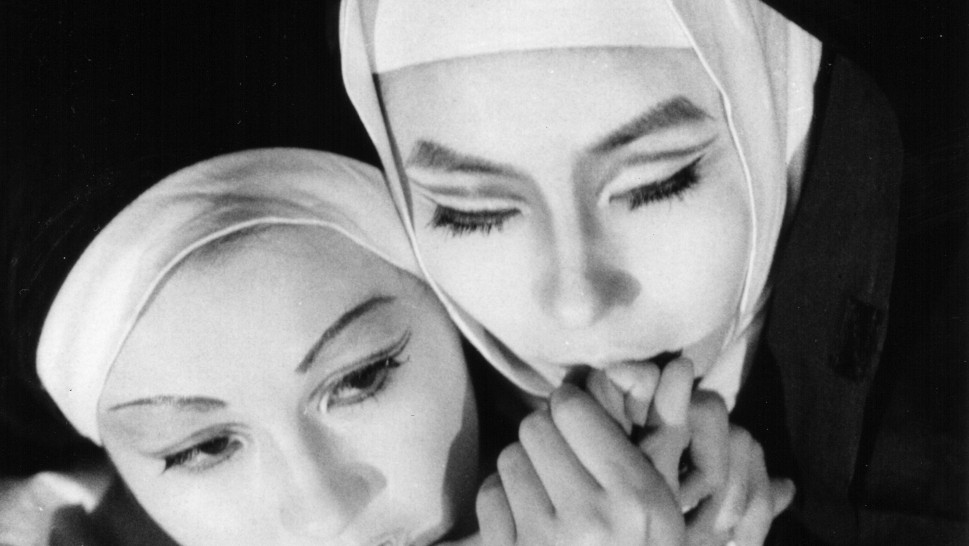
x=587, y=206
x=294, y=389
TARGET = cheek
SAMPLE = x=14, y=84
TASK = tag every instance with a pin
x=691, y=258
x=483, y=273
x=423, y=439
x=198, y=512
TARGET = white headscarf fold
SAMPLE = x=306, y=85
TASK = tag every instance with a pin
x=107, y=290
x=763, y=65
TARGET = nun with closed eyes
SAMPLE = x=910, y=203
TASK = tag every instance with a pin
x=597, y=188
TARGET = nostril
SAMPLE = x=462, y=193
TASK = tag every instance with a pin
x=580, y=298
x=614, y=287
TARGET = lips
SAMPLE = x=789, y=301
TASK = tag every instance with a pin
x=575, y=374
x=659, y=359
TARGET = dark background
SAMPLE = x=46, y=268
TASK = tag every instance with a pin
x=102, y=99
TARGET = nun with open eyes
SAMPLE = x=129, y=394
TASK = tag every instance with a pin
x=251, y=342
x=596, y=188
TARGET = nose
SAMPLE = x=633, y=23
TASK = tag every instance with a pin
x=583, y=281
x=321, y=491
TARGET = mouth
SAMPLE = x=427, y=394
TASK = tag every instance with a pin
x=664, y=358
x=576, y=373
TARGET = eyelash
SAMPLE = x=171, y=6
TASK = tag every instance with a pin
x=673, y=186
x=459, y=222
x=204, y=455
x=371, y=379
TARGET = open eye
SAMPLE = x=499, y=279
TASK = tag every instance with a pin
x=460, y=222
x=367, y=380
x=361, y=383
x=673, y=186
x=205, y=454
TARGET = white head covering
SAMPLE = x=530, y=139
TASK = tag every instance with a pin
x=763, y=65
x=109, y=287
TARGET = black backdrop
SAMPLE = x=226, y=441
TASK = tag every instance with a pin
x=101, y=99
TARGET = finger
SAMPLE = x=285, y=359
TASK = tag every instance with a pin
x=598, y=443
x=495, y=521
x=669, y=435
x=753, y=527
x=710, y=451
x=638, y=382
x=782, y=491
x=526, y=495
x=563, y=476
x=713, y=520
x=731, y=500
x=672, y=398
x=610, y=397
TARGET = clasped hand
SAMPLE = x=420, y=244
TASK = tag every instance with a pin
x=687, y=477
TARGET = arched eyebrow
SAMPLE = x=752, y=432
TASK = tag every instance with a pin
x=201, y=404
x=356, y=313
x=673, y=112
x=198, y=404
x=434, y=156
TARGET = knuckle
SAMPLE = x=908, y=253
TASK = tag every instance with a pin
x=592, y=527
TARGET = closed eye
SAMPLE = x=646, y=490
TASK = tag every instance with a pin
x=461, y=222
x=668, y=188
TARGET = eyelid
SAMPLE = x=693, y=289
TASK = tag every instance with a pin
x=334, y=378
x=198, y=437
x=462, y=199
x=626, y=183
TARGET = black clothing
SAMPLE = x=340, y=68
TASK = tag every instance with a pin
x=859, y=391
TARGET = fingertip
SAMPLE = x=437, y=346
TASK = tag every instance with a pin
x=510, y=457
x=782, y=491
x=609, y=395
x=681, y=367
x=565, y=392
x=673, y=393
x=491, y=482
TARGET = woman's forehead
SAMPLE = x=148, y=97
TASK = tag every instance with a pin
x=284, y=284
x=413, y=32
x=572, y=96
x=515, y=73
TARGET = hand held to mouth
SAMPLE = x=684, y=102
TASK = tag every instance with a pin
x=574, y=478
x=716, y=470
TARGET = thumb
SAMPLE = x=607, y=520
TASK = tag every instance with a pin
x=782, y=491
